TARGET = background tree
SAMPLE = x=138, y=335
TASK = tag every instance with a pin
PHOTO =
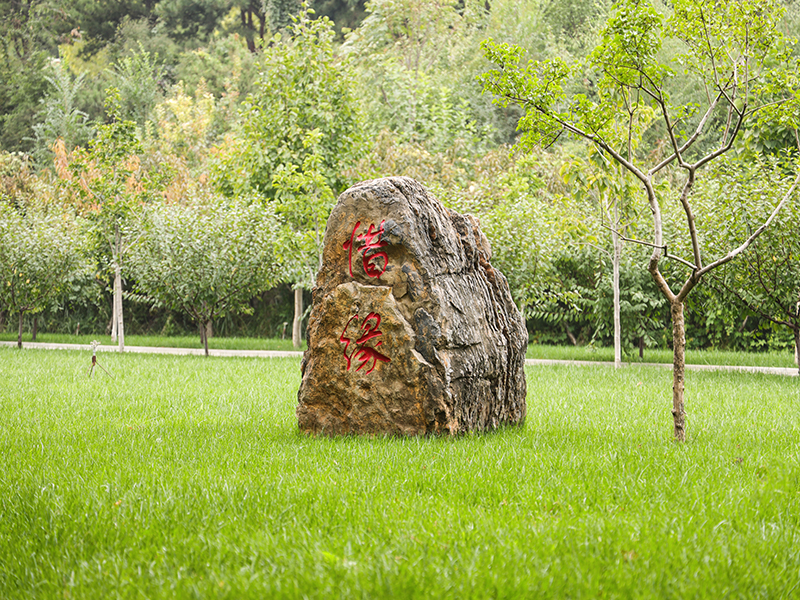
x=415, y=60
x=62, y=119
x=139, y=79
x=304, y=200
x=303, y=86
x=766, y=281
x=206, y=257
x=108, y=179
x=100, y=21
x=192, y=20
x=184, y=128
x=304, y=90
x=39, y=254
x=732, y=51
x=29, y=37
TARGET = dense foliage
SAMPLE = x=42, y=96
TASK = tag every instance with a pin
x=151, y=105
x=206, y=258
x=40, y=255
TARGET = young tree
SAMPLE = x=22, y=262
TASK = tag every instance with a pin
x=107, y=176
x=607, y=184
x=62, y=120
x=303, y=86
x=208, y=257
x=766, y=281
x=732, y=51
x=39, y=254
x=304, y=200
x=304, y=90
x=139, y=78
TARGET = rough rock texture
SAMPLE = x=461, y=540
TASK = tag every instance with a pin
x=411, y=331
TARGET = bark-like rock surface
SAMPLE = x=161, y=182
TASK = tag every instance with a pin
x=411, y=331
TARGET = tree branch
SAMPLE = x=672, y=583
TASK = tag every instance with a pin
x=687, y=209
x=734, y=253
x=663, y=247
x=722, y=150
x=691, y=139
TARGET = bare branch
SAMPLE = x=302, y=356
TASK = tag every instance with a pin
x=648, y=244
x=707, y=38
x=630, y=132
x=691, y=140
x=590, y=245
x=723, y=149
x=728, y=121
x=754, y=110
x=627, y=239
x=679, y=259
x=588, y=136
x=687, y=209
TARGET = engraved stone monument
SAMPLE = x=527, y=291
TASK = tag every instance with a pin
x=411, y=330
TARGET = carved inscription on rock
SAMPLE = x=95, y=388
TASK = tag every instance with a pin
x=361, y=351
x=373, y=260
x=412, y=330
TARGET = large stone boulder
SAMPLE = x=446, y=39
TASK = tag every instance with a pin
x=411, y=330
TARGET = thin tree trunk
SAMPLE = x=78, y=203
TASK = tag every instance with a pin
x=19, y=332
x=118, y=291
x=204, y=335
x=298, y=317
x=35, y=328
x=617, y=322
x=209, y=330
x=114, y=314
x=678, y=370
x=797, y=349
x=797, y=336
x=118, y=306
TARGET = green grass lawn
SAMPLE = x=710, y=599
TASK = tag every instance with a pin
x=186, y=477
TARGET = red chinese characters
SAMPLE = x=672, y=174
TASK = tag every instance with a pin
x=365, y=344
x=373, y=260
x=361, y=352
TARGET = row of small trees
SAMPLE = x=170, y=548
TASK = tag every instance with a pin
x=205, y=257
